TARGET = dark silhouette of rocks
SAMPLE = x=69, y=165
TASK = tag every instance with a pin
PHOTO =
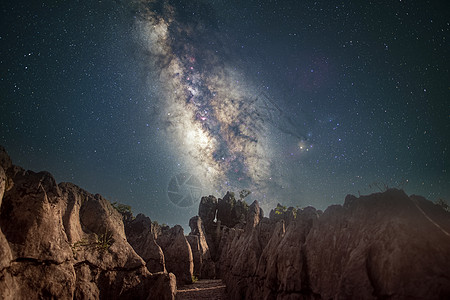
x=140, y=235
x=177, y=253
x=207, y=212
x=382, y=246
x=58, y=241
x=204, y=266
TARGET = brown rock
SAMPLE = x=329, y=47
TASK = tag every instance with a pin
x=206, y=267
x=5, y=160
x=196, y=254
x=177, y=253
x=141, y=238
x=385, y=245
x=381, y=245
x=207, y=211
x=31, y=220
x=2, y=184
x=60, y=242
x=7, y=283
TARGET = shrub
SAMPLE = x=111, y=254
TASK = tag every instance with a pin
x=244, y=193
x=442, y=203
x=280, y=209
x=104, y=241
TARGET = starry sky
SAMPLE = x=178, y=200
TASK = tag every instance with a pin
x=156, y=103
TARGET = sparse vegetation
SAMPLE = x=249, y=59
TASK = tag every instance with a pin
x=101, y=243
x=295, y=210
x=77, y=245
x=104, y=241
x=244, y=193
x=442, y=203
x=124, y=210
x=280, y=209
x=194, y=279
x=381, y=186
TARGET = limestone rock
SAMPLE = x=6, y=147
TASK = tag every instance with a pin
x=196, y=254
x=207, y=211
x=3, y=179
x=5, y=160
x=241, y=251
x=141, y=238
x=31, y=219
x=230, y=211
x=60, y=242
x=7, y=285
x=385, y=245
x=381, y=245
x=206, y=266
x=177, y=253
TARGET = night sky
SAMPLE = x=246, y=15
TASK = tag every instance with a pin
x=156, y=103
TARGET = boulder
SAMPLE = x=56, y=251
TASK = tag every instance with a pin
x=31, y=221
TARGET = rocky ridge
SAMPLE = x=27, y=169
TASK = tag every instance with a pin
x=59, y=241
x=382, y=246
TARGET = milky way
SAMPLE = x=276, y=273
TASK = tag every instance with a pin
x=216, y=121
x=300, y=102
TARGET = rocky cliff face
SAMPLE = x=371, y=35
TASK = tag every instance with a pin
x=382, y=246
x=61, y=242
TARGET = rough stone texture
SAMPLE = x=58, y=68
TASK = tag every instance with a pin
x=207, y=211
x=3, y=180
x=380, y=246
x=240, y=252
x=5, y=160
x=283, y=213
x=177, y=253
x=204, y=266
x=196, y=254
x=230, y=211
x=60, y=242
x=7, y=283
x=141, y=238
x=385, y=245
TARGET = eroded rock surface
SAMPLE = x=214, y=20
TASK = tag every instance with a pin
x=204, y=266
x=61, y=242
x=177, y=253
x=140, y=236
x=384, y=245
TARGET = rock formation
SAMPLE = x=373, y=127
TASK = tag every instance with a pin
x=385, y=245
x=177, y=253
x=61, y=242
x=58, y=241
x=140, y=235
x=204, y=266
